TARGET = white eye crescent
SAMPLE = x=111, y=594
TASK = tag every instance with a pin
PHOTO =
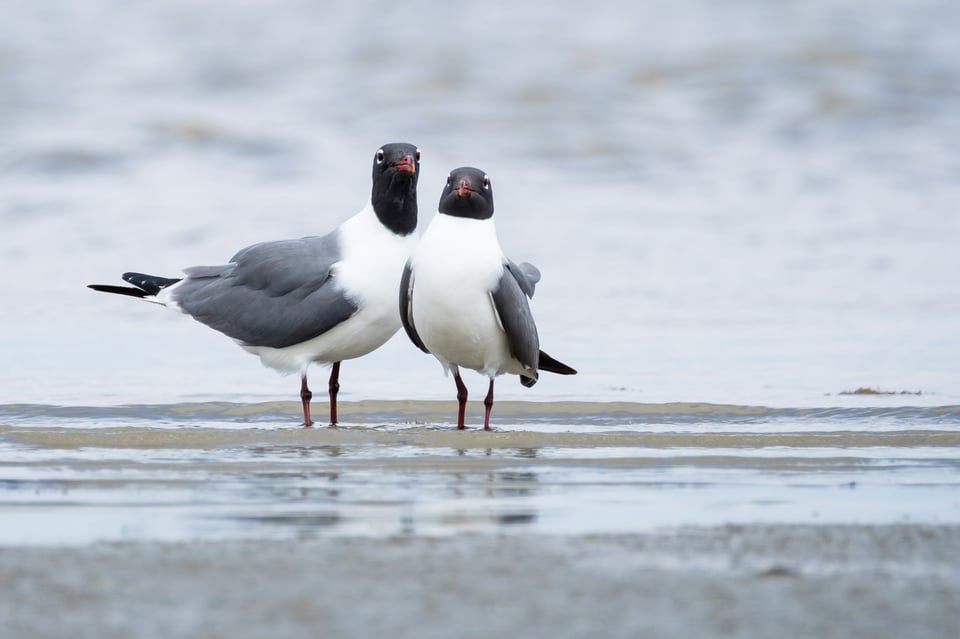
x=380, y=156
x=486, y=182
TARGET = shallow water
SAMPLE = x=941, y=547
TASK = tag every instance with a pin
x=741, y=211
x=226, y=471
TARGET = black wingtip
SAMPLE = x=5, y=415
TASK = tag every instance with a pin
x=119, y=290
x=146, y=285
x=551, y=365
x=151, y=284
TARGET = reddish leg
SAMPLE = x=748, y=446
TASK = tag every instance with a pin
x=487, y=406
x=334, y=389
x=305, y=397
x=462, y=398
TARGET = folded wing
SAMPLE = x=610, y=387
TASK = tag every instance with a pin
x=513, y=310
x=274, y=294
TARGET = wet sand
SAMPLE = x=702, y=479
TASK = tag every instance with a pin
x=569, y=520
x=730, y=581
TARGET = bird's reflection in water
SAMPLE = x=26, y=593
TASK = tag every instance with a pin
x=297, y=452
x=331, y=492
x=299, y=525
x=497, y=497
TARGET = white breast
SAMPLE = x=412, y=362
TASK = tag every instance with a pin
x=456, y=266
x=373, y=260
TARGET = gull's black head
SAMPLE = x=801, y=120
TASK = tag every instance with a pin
x=396, y=169
x=467, y=193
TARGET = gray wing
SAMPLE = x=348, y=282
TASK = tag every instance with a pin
x=406, y=307
x=273, y=294
x=510, y=302
x=527, y=276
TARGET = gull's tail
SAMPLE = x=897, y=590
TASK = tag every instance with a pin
x=551, y=365
x=143, y=285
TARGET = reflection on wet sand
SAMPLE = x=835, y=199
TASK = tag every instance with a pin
x=463, y=501
x=549, y=469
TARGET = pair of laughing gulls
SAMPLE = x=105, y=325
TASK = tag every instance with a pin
x=334, y=297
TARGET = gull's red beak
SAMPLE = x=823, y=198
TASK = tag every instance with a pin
x=405, y=165
x=463, y=189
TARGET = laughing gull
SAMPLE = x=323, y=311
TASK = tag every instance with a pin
x=463, y=301
x=316, y=299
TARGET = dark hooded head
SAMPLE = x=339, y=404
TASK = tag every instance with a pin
x=467, y=193
x=396, y=168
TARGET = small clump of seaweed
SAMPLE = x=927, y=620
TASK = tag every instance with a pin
x=866, y=390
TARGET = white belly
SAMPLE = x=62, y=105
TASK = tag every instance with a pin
x=372, y=263
x=367, y=330
x=456, y=266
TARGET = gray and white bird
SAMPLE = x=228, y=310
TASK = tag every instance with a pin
x=464, y=302
x=316, y=299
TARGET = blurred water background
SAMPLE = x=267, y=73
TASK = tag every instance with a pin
x=742, y=203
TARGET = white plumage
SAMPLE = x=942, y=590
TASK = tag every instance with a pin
x=456, y=265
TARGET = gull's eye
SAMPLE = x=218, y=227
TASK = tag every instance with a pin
x=486, y=182
x=416, y=155
x=449, y=180
x=380, y=156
